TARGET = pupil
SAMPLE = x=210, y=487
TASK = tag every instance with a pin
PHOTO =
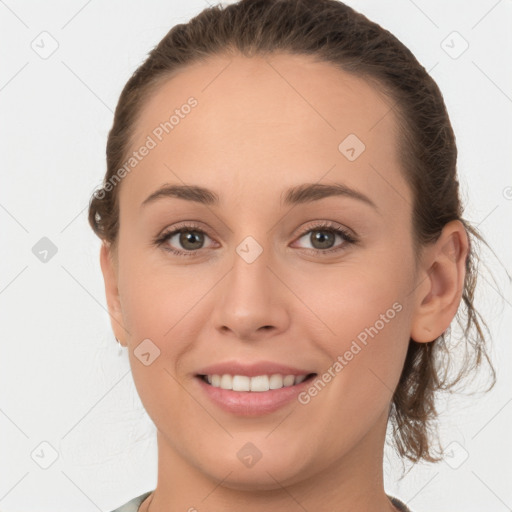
x=188, y=237
x=321, y=238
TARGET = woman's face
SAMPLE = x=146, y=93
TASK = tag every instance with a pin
x=264, y=279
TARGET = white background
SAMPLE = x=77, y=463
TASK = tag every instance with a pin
x=62, y=379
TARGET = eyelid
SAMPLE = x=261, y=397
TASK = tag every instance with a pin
x=327, y=224
x=186, y=225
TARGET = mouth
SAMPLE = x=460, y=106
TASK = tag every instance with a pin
x=254, y=388
x=256, y=395
x=254, y=384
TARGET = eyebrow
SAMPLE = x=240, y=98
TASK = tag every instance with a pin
x=300, y=194
x=188, y=192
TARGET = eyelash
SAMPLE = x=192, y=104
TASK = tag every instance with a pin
x=330, y=227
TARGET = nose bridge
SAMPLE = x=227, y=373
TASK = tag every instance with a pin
x=255, y=260
x=251, y=268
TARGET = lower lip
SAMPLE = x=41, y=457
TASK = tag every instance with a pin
x=252, y=403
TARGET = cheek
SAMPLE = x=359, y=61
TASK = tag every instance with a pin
x=155, y=296
x=161, y=310
x=165, y=310
x=365, y=346
x=165, y=305
x=365, y=325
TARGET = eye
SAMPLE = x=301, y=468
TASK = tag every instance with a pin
x=189, y=236
x=323, y=234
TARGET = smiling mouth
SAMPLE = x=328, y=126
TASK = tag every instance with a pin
x=259, y=383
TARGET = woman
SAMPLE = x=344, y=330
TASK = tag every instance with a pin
x=284, y=252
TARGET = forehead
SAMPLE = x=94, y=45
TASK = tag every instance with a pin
x=280, y=120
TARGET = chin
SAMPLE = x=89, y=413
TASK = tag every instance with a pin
x=273, y=470
x=259, y=480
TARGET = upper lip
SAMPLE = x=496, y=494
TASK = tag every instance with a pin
x=251, y=369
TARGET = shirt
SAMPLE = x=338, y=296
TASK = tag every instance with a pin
x=134, y=504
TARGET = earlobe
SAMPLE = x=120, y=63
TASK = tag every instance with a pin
x=441, y=283
x=109, y=271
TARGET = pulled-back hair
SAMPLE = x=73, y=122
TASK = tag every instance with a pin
x=334, y=33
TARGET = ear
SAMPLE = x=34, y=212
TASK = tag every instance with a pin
x=440, y=283
x=110, y=273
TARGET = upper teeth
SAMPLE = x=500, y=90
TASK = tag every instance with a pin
x=258, y=383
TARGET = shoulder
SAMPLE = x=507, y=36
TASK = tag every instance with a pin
x=134, y=504
x=400, y=505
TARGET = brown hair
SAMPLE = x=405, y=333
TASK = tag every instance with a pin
x=334, y=33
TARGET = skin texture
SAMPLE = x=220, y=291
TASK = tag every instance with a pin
x=262, y=125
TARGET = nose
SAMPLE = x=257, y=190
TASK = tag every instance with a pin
x=252, y=299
